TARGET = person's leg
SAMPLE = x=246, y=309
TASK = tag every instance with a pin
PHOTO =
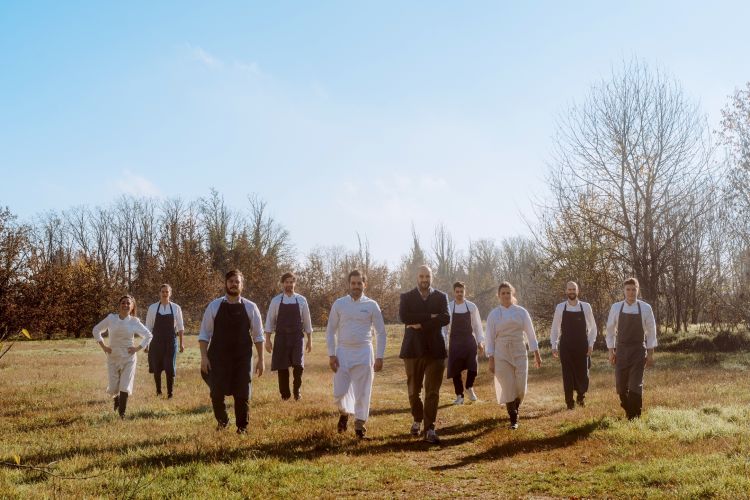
x=581, y=377
x=635, y=384
x=220, y=410
x=157, y=382
x=471, y=376
x=568, y=377
x=433, y=379
x=297, y=374
x=241, y=411
x=414, y=379
x=284, y=383
x=362, y=377
x=170, y=384
x=458, y=385
x=622, y=375
x=123, y=403
x=343, y=395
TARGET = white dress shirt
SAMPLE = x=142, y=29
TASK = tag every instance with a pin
x=647, y=319
x=273, y=311
x=351, y=322
x=207, y=325
x=509, y=323
x=591, y=329
x=157, y=308
x=122, y=332
x=476, y=319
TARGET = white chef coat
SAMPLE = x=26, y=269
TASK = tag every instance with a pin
x=207, y=325
x=509, y=322
x=120, y=363
x=157, y=308
x=647, y=319
x=476, y=319
x=273, y=311
x=351, y=322
x=591, y=329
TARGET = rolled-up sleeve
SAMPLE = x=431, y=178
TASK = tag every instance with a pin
x=306, y=319
x=590, y=324
x=649, y=325
x=151, y=316
x=256, y=322
x=476, y=324
x=612, y=326
x=554, y=335
x=207, y=324
x=179, y=321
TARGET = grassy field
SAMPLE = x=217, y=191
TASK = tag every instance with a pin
x=693, y=440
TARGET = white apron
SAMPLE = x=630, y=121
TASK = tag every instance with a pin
x=352, y=382
x=121, y=371
x=511, y=358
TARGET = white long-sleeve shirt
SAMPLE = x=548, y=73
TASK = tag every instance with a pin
x=157, y=308
x=591, y=329
x=273, y=311
x=476, y=319
x=647, y=319
x=351, y=322
x=509, y=323
x=122, y=332
x=207, y=325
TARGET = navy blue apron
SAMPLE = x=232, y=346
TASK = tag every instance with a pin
x=462, y=348
x=287, y=350
x=230, y=352
x=162, y=352
x=574, y=347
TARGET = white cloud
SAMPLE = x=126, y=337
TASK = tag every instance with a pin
x=133, y=184
x=203, y=56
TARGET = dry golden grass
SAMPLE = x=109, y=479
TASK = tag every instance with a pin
x=693, y=441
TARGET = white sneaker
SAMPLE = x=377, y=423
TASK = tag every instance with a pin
x=431, y=436
x=472, y=394
x=415, y=427
x=459, y=400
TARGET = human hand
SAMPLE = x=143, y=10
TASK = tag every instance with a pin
x=133, y=350
x=182, y=347
x=590, y=350
x=492, y=364
x=269, y=345
x=308, y=346
x=333, y=362
x=612, y=358
x=415, y=326
x=378, y=365
x=107, y=349
x=537, y=359
x=205, y=365
x=260, y=367
x=555, y=353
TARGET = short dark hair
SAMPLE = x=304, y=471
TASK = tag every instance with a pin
x=459, y=284
x=631, y=281
x=233, y=273
x=357, y=272
x=286, y=276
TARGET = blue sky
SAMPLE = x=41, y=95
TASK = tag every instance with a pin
x=346, y=117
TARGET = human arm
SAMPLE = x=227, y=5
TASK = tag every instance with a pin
x=306, y=324
x=97, y=331
x=528, y=327
x=379, y=325
x=273, y=311
x=179, y=324
x=408, y=317
x=476, y=325
x=591, y=328
x=554, y=335
x=490, y=348
x=331, y=330
x=256, y=333
x=611, y=333
x=140, y=329
x=649, y=327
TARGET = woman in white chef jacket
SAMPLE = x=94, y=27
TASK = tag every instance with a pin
x=121, y=357
x=506, y=326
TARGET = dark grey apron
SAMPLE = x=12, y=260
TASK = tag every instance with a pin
x=462, y=349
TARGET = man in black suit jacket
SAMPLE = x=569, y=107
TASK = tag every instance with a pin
x=424, y=312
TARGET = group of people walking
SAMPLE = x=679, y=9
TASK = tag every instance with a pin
x=437, y=334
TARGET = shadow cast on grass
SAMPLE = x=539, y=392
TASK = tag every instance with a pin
x=512, y=448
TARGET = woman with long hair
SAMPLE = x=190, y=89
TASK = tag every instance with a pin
x=506, y=326
x=121, y=353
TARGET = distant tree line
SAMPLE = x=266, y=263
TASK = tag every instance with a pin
x=638, y=185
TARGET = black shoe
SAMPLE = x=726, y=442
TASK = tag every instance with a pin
x=285, y=397
x=169, y=396
x=122, y=416
x=570, y=405
x=514, y=426
x=297, y=396
x=158, y=393
x=241, y=430
x=580, y=400
x=360, y=433
x=343, y=421
x=220, y=426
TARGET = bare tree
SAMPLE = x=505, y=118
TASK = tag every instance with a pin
x=638, y=149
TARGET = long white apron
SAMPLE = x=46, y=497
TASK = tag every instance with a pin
x=352, y=382
x=511, y=360
x=121, y=370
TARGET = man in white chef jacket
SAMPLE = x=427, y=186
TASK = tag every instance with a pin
x=349, y=339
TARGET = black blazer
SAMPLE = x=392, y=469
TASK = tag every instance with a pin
x=428, y=342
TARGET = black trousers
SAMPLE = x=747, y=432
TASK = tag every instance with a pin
x=284, y=381
x=241, y=410
x=458, y=385
x=170, y=382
